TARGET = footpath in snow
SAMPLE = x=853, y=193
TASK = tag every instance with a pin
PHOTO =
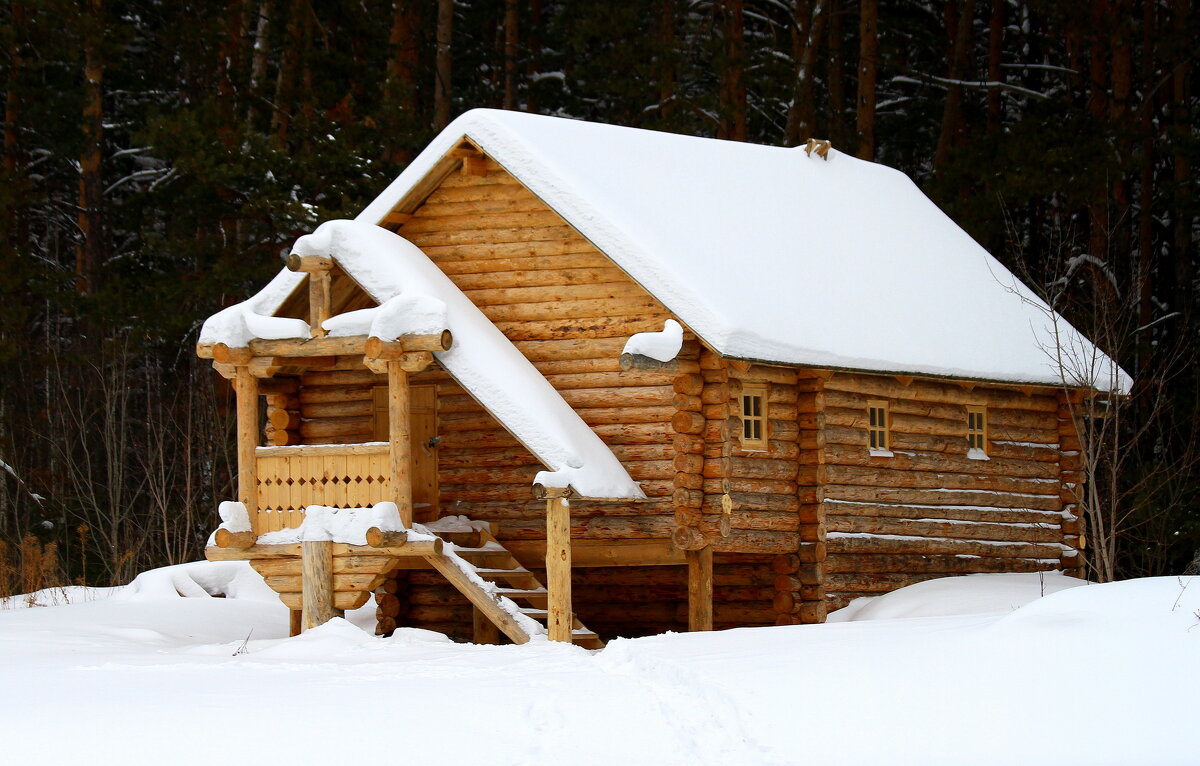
x=160, y=672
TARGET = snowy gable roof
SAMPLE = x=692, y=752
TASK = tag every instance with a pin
x=770, y=254
x=416, y=297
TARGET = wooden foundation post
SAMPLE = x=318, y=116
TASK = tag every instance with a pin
x=245, y=387
x=295, y=622
x=399, y=449
x=484, y=631
x=558, y=566
x=700, y=589
x=317, y=583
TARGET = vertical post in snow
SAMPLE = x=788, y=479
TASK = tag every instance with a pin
x=399, y=446
x=700, y=589
x=558, y=565
x=317, y=582
x=245, y=388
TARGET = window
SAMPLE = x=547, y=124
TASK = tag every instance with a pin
x=976, y=431
x=878, y=422
x=754, y=417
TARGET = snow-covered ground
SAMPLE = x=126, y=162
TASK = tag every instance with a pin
x=1098, y=674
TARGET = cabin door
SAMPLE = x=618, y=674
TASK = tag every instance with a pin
x=423, y=448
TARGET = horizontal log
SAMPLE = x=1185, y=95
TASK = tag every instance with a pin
x=583, y=328
x=929, y=546
x=903, y=460
x=472, y=260
x=351, y=583
x=427, y=239
x=362, y=377
x=941, y=496
x=352, y=426
x=928, y=390
x=226, y=539
x=836, y=563
x=389, y=348
x=886, y=477
x=423, y=221
x=624, y=396
x=283, y=419
x=564, y=293
x=972, y=513
x=327, y=394
x=947, y=529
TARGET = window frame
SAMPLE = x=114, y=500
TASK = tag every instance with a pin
x=879, y=435
x=977, y=451
x=761, y=442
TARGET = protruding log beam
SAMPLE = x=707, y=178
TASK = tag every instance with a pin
x=399, y=449
x=379, y=348
x=558, y=569
x=700, y=589
x=309, y=264
x=541, y=492
x=227, y=539
x=246, y=390
x=317, y=587
x=223, y=354
x=397, y=543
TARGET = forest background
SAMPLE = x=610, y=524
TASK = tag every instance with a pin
x=159, y=156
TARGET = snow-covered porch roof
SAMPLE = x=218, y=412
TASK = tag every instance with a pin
x=415, y=297
x=775, y=255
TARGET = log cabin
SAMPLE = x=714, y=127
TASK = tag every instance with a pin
x=598, y=381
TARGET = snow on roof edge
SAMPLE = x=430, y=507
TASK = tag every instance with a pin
x=504, y=144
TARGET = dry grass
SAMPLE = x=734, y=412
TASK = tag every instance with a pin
x=29, y=567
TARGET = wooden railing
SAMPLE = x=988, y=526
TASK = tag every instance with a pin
x=289, y=479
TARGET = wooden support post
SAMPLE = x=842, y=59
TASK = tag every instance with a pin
x=317, y=582
x=700, y=589
x=245, y=387
x=319, y=301
x=485, y=632
x=558, y=567
x=399, y=449
x=295, y=622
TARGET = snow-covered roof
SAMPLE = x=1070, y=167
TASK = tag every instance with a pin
x=414, y=297
x=770, y=254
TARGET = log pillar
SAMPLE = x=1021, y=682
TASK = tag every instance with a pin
x=317, y=583
x=245, y=387
x=484, y=631
x=700, y=589
x=399, y=448
x=558, y=566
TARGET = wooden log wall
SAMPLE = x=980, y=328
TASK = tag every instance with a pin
x=282, y=424
x=336, y=406
x=569, y=310
x=930, y=510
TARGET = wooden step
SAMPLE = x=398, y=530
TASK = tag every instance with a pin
x=522, y=592
x=534, y=612
x=488, y=557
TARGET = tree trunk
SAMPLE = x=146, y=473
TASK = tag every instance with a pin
x=733, y=85
x=666, y=74
x=533, y=38
x=837, y=76
x=400, y=90
x=807, y=33
x=259, y=59
x=958, y=26
x=443, y=59
x=1182, y=129
x=868, y=61
x=89, y=254
x=512, y=21
x=995, y=72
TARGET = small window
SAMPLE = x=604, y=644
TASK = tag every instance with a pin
x=754, y=417
x=976, y=431
x=878, y=423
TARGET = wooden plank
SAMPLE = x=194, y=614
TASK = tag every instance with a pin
x=479, y=598
x=700, y=589
x=558, y=568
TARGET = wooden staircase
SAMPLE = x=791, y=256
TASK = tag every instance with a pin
x=480, y=554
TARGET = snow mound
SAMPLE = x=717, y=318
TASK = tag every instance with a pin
x=662, y=346
x=969, y=594
x=198, y=579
